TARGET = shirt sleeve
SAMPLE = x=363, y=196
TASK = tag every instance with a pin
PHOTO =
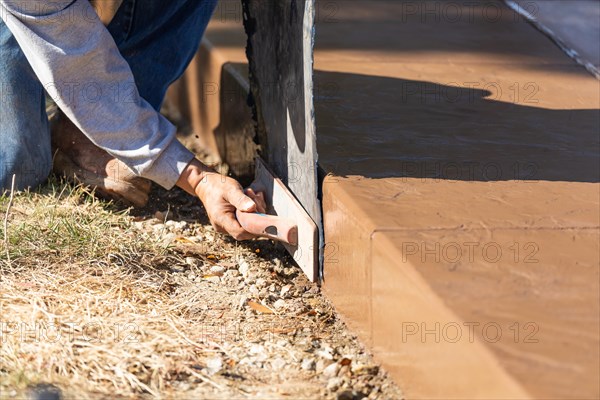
x=78, y=63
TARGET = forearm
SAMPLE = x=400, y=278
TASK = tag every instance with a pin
x=192, y=176
x=77, y=61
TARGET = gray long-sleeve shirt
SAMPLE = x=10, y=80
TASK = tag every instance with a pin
x=78, y=63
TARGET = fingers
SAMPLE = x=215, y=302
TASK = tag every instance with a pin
x=258, y=198
x=222, y=201
x=239, y=200
x=227, y=223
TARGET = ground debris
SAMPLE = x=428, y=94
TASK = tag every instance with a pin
x=154, y=303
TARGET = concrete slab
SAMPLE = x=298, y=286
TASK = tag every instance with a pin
x=460, y=133
x=474, y=25
x=458, y=264
x=481, y=311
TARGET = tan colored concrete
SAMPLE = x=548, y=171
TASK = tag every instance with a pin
x=485, y=326
x=544, y=284
x=469, y=134
x=475, y=32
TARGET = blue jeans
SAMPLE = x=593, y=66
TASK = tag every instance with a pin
x=157, y=38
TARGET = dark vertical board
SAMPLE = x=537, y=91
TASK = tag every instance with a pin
x=280, y=53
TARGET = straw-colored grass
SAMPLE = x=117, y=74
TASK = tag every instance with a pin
x=86, y=302
x=100, y=303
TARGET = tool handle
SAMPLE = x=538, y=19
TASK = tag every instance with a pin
x=271, y=226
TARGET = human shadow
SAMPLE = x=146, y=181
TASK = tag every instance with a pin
x=380, y=127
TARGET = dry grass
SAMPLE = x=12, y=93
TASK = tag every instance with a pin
x=100, y=303
x=79, y=285
x=104, y=304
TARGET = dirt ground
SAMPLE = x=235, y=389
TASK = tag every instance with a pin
x=98, y=301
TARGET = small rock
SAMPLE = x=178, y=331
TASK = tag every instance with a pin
x=259, y=352
x=243, y=300
x=177, y=268
x=170, y=223
x=278, y=364
x=261, y=282
x=344, y=370
x=350, y=395
x=331, y=370
x=217, y=270
x=168, y=238
x=161, y=215
x=373, y=395
x=191, y=261
x=183, y=386
x=213, y=279
x=285, y=290
x=334, y=384
x=138, y=225
x=325, y=352
x=308, y=364
x=279, y=304
x=320, y=365
x=246, y=361
x=214, y=365
x=192, y=276
x=244, y=267
x=358, y=368
x=46, y=391
x=253, y=289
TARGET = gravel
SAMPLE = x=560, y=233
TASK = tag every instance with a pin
x=278, y=335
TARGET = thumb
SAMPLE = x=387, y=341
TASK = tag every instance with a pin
x=240, y=201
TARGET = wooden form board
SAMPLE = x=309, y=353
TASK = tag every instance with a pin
x=280, y=54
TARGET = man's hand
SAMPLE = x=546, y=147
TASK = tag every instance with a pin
x=221, y=197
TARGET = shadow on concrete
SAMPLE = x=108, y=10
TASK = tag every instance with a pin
x=380, y=127
x=412, y=28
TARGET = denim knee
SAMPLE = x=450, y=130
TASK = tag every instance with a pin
x=146, y=32
x=24, y=132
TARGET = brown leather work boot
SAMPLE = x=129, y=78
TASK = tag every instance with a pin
x=77, y=158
